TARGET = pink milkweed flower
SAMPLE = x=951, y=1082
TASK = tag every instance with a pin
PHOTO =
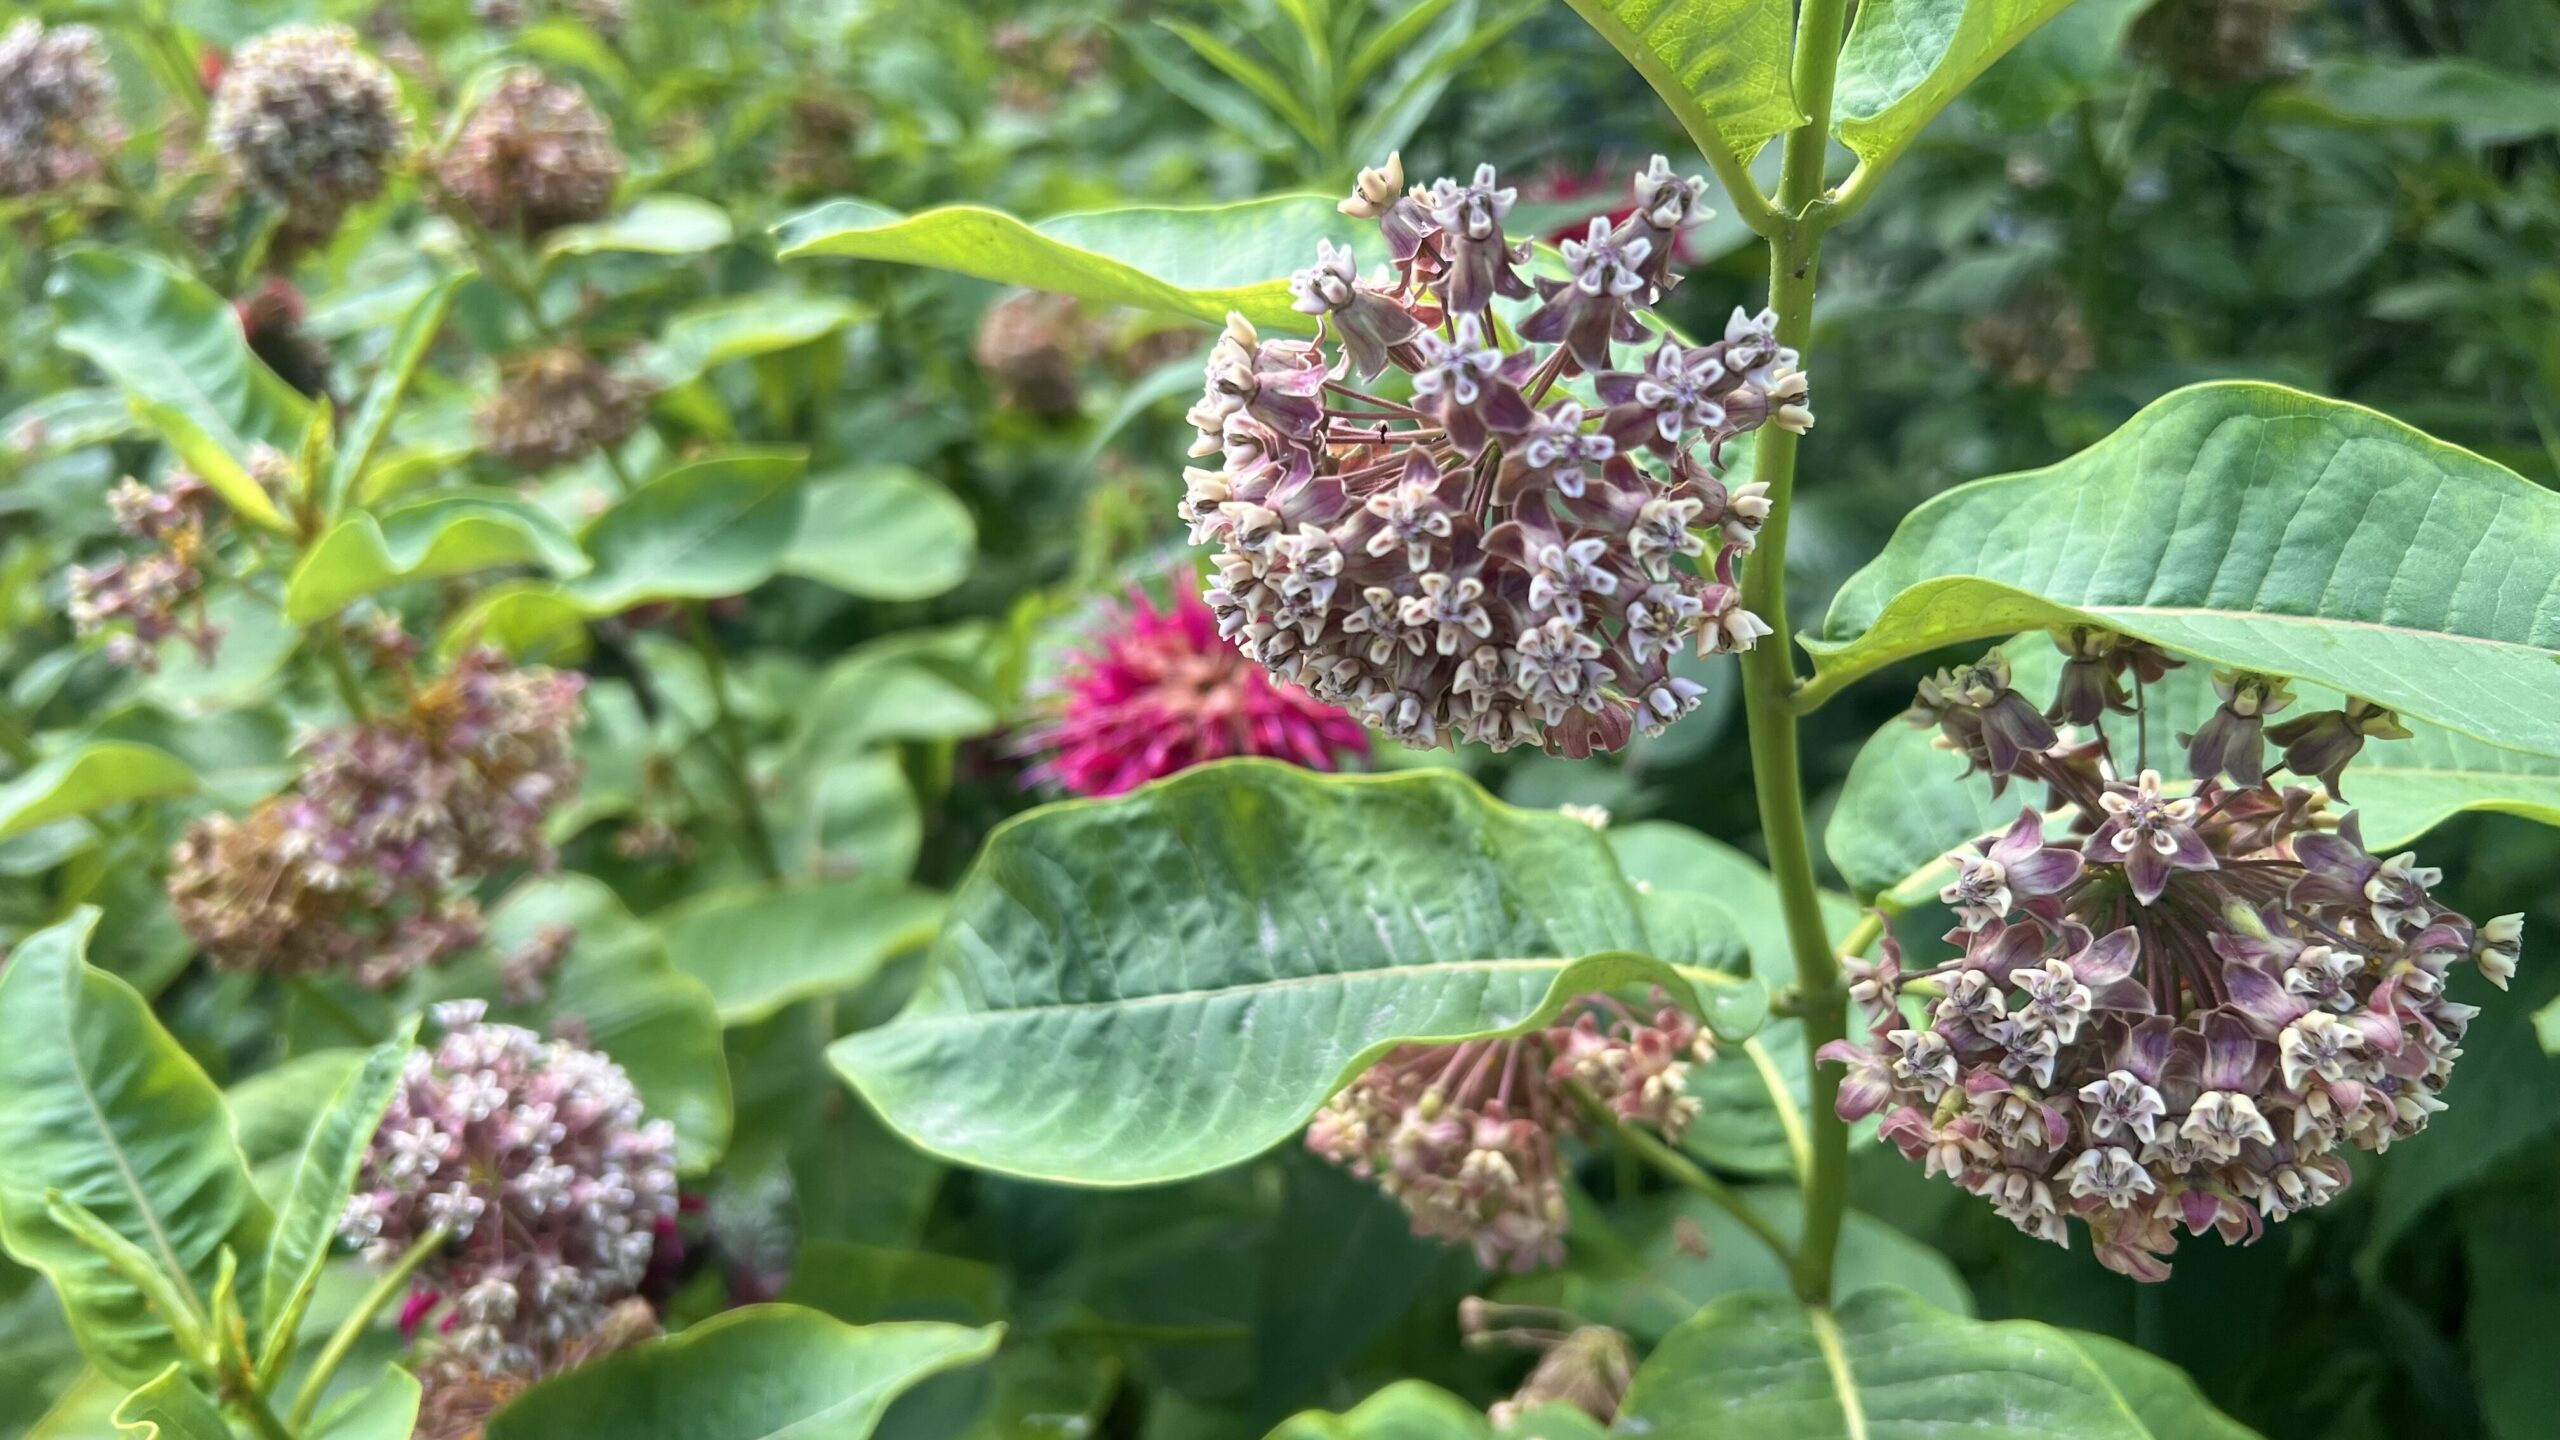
x=1160, y=690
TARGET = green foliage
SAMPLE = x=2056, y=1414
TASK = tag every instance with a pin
x=711, y=527
x=1720, y=65
x=89, y=778
x=1906, y=59
x=452, y=531
x=1189, y=972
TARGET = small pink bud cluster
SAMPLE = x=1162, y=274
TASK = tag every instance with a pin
x=57, y=108
x=363, y=866
x=534, y=1160
x=2180, y=1011
x=137, y=601
x=1160, y=692
x=1495, y=558
x=1464, y=1136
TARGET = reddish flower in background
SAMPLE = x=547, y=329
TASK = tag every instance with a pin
x=1160, y=691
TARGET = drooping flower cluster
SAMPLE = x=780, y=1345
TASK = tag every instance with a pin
x=363, y=866
x=57, y=108
x=459, y=1396
x=535, y=1160
x=309, y=121
x=557, y=406
x=2179, y=1008
x=533, y=156
x=1464, y=1136
x=1500, y=559
x=1160, y=692
x=139, y=600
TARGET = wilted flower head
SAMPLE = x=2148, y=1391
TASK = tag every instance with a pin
x=1160, y=692
x=1031, y=344
x=557, y=406
x=533, y=156
x=57, y=107
x=1588, y=1367
x=309, y=121
x=364, y=865
x=1394, y=560
x=535, y=1160
x=1464, y=1136
x=2176, y=1009
x=460, y=1395
x=138, y=600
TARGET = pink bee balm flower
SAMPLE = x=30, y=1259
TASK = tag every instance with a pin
x=1161, y=691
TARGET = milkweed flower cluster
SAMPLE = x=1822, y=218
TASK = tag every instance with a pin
x=1464, y=1136
x=556, y=406
x=138, y=600
x=534, y=1158
x=2179, y=1009
x=533, y=156
x=1159, y=692
x=309, y=121
x=1514, y=555
x=364, y=865
x=57, y=108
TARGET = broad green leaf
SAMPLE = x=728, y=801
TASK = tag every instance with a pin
x=1156, y=986
x=1884, y=1366
x=1682, y=1252
x=1907, y=58
x=866, y=1284
x=2487, y=104
x=308, y=1215
x=175, y=349
x=712, y=527
x=2511, y=1250
x=760, y=947
x=274, y=1109
x=761, y=1373
x=99, y=1106
x=64, y=421
x=1201, y=262
x=1405, y=1410
x=2253, y=526
x=169, y=1406
x=1721, y=65
x=531, y=620
x=851, y=814
x=385, y=1410
x=919, y=685
x=883, y=533
x=656, y=225
x=400, y=362
x=652, y=1019
x=1907, y=803
x=444, y=532
x=740, y=327
x=88, y=778
x=2161, y=1395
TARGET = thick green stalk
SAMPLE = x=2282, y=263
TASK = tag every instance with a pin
x=1768, y=670
x=349, y=1331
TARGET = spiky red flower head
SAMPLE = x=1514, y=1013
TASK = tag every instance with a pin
x=1160, y=691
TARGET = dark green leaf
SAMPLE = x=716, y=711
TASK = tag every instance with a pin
x=307, y=1217
x=760, y=948
x=373, y=416
x=712, y=527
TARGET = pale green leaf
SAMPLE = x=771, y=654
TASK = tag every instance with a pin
x=2252, y=526
x=530, y=620
x=741, y=327
x=1907, y=58
x=712, y=527
x=2161, y=1395
x=1154, y=986
x=1721, y=65
x=656, y=225
x=444, y=532
x=307, y=1217
x=169, y=1406
x=883, y=533
x=100, y=1106
x=760, y=947
x=385, y=1410
x=1405, y=1410
x=1884, y=1366
x=762, y=1373
x=88, y=778
x=1199, y=262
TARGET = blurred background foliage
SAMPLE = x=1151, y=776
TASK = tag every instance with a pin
x=2358, y=197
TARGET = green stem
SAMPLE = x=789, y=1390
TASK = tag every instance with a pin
x=331, y=641
x=351, y=1329
x=733, y=744
x=262, y=1418
x=494, y=261
x=1678, y=1167
x=1768, y=670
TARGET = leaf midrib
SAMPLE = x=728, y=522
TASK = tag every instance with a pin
x=114, y=1145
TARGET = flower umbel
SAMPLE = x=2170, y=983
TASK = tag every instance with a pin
x=2179, y=1010
x=536, y=1160
x=533, y=156
x=1160, y=692
x=364, y=865
x=309, y=121
x=556, y=406
x=57, y=107
x=1464, y=1136
x=138, y=600
x=1499, y=558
